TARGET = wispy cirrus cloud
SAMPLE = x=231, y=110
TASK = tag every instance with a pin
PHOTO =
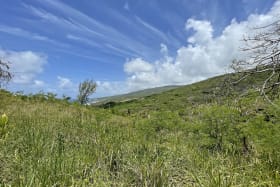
x=153, y=30
x=23, y=33
x=110, y=48
x=15, y=31
x=83, y=40
x=78, y=24
x=66, y=23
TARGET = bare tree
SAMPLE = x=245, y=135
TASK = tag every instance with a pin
x=86, y=88
x=263, y=50
x=5, y=74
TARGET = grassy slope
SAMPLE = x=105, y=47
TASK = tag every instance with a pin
x=188, y=136
x=133, y=95
x=184, y=96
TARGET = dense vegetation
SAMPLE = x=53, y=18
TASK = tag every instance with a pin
x=189, y=136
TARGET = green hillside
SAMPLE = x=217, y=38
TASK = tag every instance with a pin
x=213, y=89
x=204, y=134
x=132, y=95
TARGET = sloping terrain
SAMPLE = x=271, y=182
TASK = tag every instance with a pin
x=132, y=95
x=204, y=134
x=210, y=90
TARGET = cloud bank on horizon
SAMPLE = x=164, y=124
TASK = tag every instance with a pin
x=203, y=53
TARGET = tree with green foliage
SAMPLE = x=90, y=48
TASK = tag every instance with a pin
x=86, y=88
x=5, y=74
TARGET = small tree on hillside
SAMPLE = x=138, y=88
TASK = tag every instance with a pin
x=5, y=74
x=263, y=50
x=86, y=88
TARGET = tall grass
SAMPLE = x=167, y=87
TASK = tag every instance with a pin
x=60, y=144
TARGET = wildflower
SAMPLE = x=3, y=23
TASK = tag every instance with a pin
x=3, y=120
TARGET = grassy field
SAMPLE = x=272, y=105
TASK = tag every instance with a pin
x=189, y=136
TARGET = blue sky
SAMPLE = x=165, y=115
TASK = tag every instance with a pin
x=124, y=45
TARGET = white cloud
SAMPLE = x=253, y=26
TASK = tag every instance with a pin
x=25, y=65
x=107, y=88
x=65, y=83
x=202, y=57
x=137, y=65
x=203, y=31
x=163, y=49
x=39, y=83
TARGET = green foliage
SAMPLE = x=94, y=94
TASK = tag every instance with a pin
x=86, y=89
x=178, y=138
x=219, y=123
